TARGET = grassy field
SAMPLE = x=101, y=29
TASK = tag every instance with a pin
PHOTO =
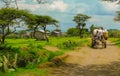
x=30, y=47
x=116, y=41
x=54, y=41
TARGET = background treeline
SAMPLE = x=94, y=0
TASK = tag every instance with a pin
x=114, y=33
x=75, y=32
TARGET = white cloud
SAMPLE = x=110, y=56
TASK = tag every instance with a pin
x=58, y=5
x=93, y=19
x=34, y=0
x=55, y=5
x=21, y=1
x=32, y=7
x=111, y=6
x=82, y=7
x=81, y=10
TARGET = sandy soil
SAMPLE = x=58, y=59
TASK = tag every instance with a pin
x=87, y=61
x=89, y=56
x=51, y=48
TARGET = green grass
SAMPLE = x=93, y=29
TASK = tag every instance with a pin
x=54, y=41
x=31, y=46
x=116, y=41
x=27, y=72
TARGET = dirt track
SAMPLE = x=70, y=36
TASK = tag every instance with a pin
x=87, y=61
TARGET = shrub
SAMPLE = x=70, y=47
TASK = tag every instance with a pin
x=68, y=44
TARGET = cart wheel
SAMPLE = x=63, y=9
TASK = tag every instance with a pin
x=104, y=45
x=93, y=44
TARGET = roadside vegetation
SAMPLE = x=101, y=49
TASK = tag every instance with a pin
x=114, y=36
x=22, y=56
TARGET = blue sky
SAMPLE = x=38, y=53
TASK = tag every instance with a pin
x=102, y=13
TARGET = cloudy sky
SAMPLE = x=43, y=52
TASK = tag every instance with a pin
x=102, y=13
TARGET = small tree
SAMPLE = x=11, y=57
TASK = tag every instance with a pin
x=81, y=19
x=47, y=21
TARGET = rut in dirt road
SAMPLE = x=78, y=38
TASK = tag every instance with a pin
x=90, y=62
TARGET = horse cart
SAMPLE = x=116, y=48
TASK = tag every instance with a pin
x=99, y=40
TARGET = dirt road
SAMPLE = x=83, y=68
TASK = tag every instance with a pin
x=87, y=61
x=89, y=56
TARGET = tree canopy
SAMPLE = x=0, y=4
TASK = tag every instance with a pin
x=80, y=20
x=36, y=22
x=8, y=18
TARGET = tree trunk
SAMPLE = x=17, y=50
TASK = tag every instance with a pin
x=3, y=40
x=45, y=33
x=3, y=35
x=80, y=33
x=34, y=31
x=34, y=34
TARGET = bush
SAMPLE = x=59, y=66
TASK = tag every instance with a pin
x=68, y=44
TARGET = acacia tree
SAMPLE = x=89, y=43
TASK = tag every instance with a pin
x=36, y=22
x=33, y=23
x=8, y=18
x=47, y=21
x=80, y=20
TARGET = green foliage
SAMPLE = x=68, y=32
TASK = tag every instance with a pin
x=26, y=72
x=73, y=32
x=92, y=27
x=12, y=36
x=116, y=41
x=68, y=45
x=7, y=63
x=117, y=18
x=32, y=52
x=4, y=48
x=114, y=33
x=71, y=44
x=80, y=20
x=8, y=18
x=76, y=31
